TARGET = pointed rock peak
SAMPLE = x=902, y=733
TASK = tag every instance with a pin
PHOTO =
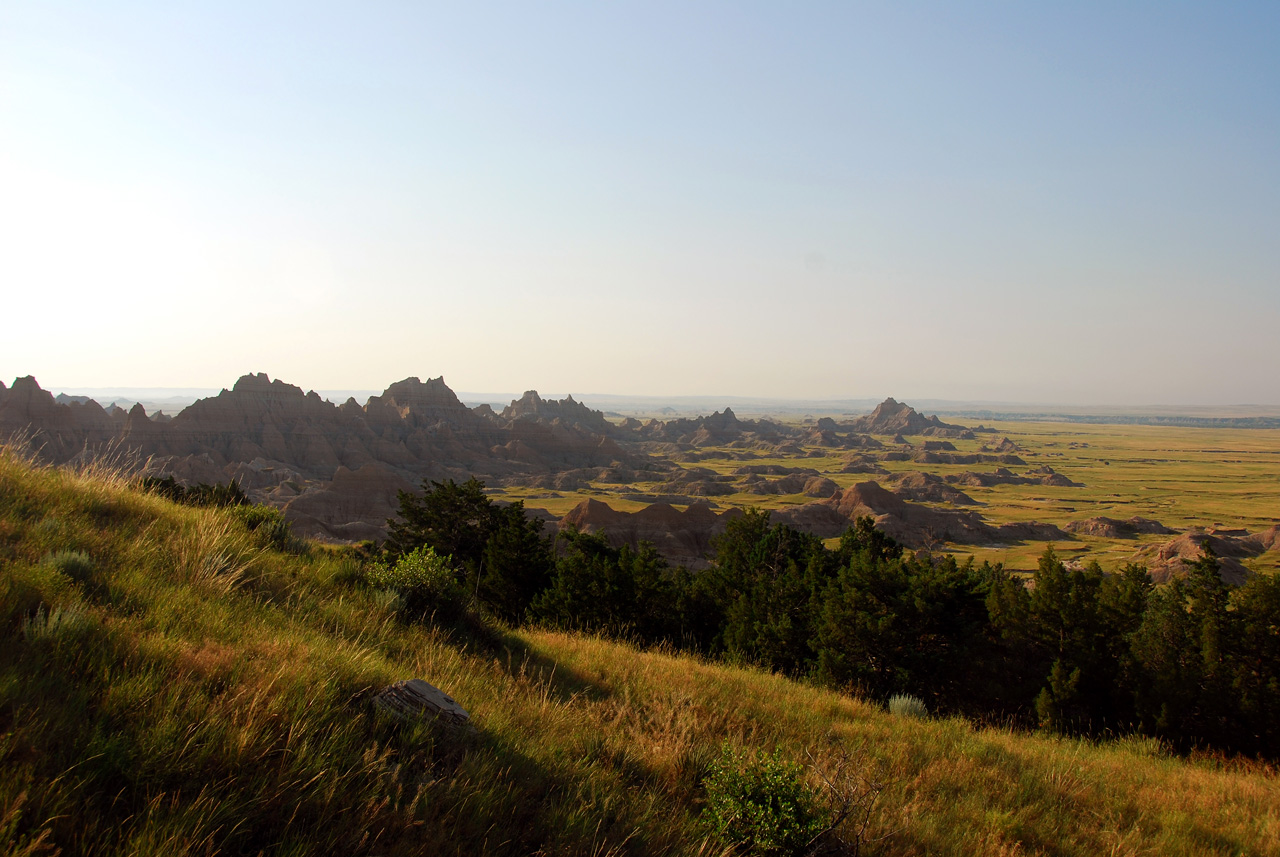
x=138, y=412
x=434, y=393
x=26, y=383
x=729, y=414
x=890, y=407
x=591, y=513
x=252, y=381
x=533, y=405
x=26, y=393
x=700, y=511
x=260, y=383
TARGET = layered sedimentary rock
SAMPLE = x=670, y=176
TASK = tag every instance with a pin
x=334, y=468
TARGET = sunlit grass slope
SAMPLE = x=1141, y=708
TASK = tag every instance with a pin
x=169, y=685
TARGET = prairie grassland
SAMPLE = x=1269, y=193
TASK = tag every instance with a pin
x=1182, y=477
x=171, y=686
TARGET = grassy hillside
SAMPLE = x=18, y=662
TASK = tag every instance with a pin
x=170, y=684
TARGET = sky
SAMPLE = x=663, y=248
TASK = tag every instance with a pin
x=1043, y=202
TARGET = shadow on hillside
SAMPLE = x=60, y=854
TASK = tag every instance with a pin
x=546, y=675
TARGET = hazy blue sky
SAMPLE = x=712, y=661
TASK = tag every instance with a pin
x=1073, y=202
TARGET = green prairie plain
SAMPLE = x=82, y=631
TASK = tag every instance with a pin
x=1226, y=478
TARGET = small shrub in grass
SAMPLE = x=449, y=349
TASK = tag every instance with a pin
x=425, y=581
x=52, y=624
x=906, y=705
x=761, y=804
x=77, y=565
x=270, y=528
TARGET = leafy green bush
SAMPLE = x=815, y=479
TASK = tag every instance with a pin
x=426, y=582
x=762, y=805
x=906, y=705
x=269, y=526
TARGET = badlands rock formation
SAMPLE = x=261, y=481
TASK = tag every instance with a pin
x=1173, y=558
x=894, y=418
x=334, y=468
x=683, y=538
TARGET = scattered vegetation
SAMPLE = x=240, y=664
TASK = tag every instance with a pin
x=1194, y=663
x=171, y=683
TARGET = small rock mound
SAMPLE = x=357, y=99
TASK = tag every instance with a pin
x=1111, y=528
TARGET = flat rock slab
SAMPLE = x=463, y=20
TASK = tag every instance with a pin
x=414, y=698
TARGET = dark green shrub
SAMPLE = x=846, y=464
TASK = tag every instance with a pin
x=202, y=494
x=760, y=804
x=270, y=527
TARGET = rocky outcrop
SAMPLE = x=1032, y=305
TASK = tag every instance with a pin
x=912, y=525
x=566, y=410
x=796, y=483
x=57, y=432
x=895, y=418
x=816, y=519
x=1175, y=557
x=1112, y=528
x=415, y=699
x=1044, y=475
x=354, y=506
x=682, y=537
x=331, y=467
x=929, y=488
x=925, y=456
x=919, y=526
x=1268, y=539
x=1030, y=531
x=719, y=429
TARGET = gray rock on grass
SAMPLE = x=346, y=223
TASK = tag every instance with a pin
x=414, y=698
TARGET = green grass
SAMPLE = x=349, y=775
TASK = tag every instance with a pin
x=1182, y=477
x=169, y=685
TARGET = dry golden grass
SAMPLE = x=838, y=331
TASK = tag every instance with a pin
x=167, y=714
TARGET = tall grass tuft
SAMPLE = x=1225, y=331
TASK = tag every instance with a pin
x=906, y=705
x=77, y=565
x=48, y=625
